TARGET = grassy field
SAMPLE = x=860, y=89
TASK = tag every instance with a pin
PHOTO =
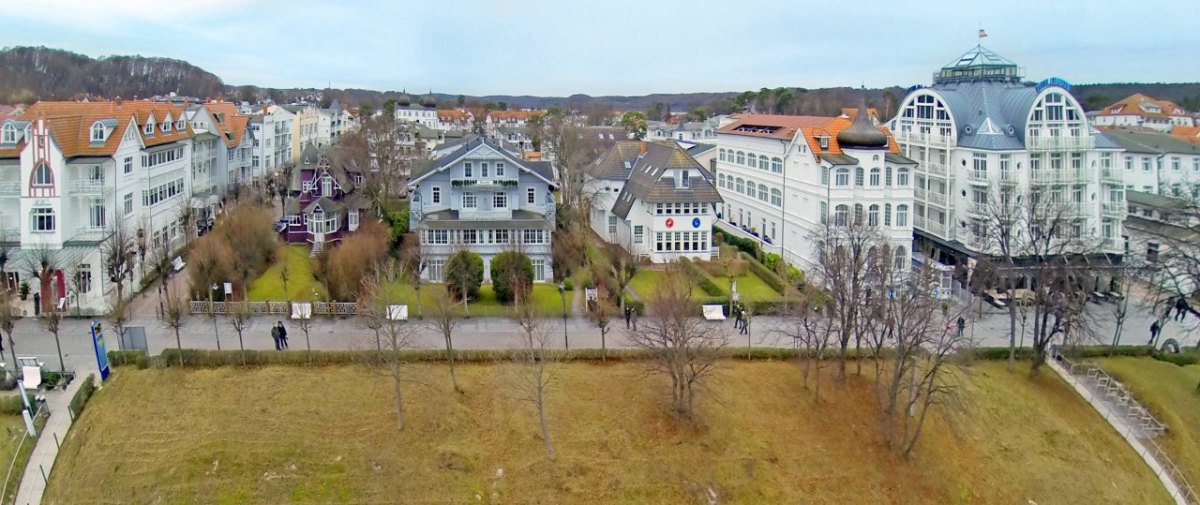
x=14, y=431
x=328, y=435
x=644, y=282
x=1169, y=391
x=268, y=288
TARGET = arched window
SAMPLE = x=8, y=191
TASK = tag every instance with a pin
x=902, y=177
x=858, y=213
x=10, y=134
x=777, y=165
x=741, y=158
x=843, y=177
x=721, y=178
x=874, y=178
x=824, y=212
x=840, y=214
x=858, y=176
x=762, y=192
x=722, y=154
x=42, y=176
x=776, y=197
x=873, y=215
x=752, y=160
x=887, y=177
x=763, y=164
x=741, y=184
x=902, y=215
x=97, y=132
x=887, y=214
x=824, y=176
x=901, y=257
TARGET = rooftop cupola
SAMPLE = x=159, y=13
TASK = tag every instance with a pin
x=862, y=134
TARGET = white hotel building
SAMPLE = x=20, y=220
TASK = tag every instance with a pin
x=782, y=177
x=980, y=132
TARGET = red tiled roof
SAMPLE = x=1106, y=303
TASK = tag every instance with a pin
x=785, y=127
x=70, y=123
x=1188, y=133
x=1129, y=106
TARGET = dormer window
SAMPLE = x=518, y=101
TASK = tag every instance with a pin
x=180, y=125
x=824, y=141
x=9, y=136
x=149, y=128
x=97, y=132
x=166, y=126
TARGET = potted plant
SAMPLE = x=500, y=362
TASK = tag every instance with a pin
x=23, y=290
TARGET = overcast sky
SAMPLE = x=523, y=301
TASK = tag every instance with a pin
x=562, y=47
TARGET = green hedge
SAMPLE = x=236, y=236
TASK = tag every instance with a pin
x=746, y=245
x=82, y=396
x=11, y=405
x=765, y=274
x=127, y=358
x=1181, y=359
x=705, y=281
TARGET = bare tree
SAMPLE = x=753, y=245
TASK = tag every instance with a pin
x=239, y=319
x=118, y=315
x=681, y=345
x=601, y=314
x=392, y=336
x=444, y=317
x=534, y=359
x=305, y=323
x=175, y=317
x=845, y=244
x=52, y=320
x=811, y=328
x=42, y=265
x=118, y=252
x=622, y=266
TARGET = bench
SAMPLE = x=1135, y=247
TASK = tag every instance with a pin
x=177, y=264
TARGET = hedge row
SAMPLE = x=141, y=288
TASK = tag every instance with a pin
x=705, y=281
x=745, y=245
x=82, y=396
x=12, y=405
x=765, y=274
x=136, y=358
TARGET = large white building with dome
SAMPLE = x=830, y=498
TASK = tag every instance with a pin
x=981, y=135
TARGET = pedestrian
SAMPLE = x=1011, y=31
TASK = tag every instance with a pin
x=745, y=322
x=275, y=337
x=1154, y=329
x=1170, y=305
x=962, y=324
x=283, y=336
x=890, y=324
x=1181, y=308
x=737, y=317
x=634, y=317
x=628, y=316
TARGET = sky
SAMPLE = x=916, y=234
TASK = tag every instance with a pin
x=564, y=47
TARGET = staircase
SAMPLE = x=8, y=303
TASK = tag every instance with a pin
x=317, y=248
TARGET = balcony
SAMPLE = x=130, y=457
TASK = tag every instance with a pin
x=10, y=187
x=977, y=176
x=936, y=198
x=88, y=187
x=978, y=208
x=1068, y=176
x=1008, y=176
x=89, y=233
x=1112, y=176
x=976, y=242
x=929, y=226
x=928, y=139
x=937, y=169
x=1041, y=143
x=1113, y=210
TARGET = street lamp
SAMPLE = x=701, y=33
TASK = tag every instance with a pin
x=562, y=291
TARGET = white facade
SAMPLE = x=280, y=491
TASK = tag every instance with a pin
x=272, y=133
x=1141, y=111
x=1158, y=163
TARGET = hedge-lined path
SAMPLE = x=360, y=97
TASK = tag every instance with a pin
x=55, y=431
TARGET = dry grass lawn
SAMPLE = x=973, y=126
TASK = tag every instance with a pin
x=328, y=435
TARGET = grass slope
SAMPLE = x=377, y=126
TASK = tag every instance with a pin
x=328, y=435
x=1169, y=391
x=268, y=288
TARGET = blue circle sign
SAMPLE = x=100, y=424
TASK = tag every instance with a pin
x=695, y=222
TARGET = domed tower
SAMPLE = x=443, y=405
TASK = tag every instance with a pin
x=404, y=100
x=862, y=134
x=429, y=101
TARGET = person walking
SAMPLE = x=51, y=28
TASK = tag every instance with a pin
x=628, y=316
x=1154, y=329
x=1181, y=308
x=283, y=343
x=275, y=337
x=745, y=319
x=737, y=317
x=962, y=325
x=633, y=317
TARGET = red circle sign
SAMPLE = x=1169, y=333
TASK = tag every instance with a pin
x=670, y=222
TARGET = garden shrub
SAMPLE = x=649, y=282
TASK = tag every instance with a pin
x=136, y=358
x=82, y=396
x=746, y=245
x=768, y=276
x=512, y=270
x=1181, y=358
x=346, y=265
x=464, y=269
x=705, y=281
x=11, y=405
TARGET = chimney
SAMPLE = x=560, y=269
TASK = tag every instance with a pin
x=118, y=100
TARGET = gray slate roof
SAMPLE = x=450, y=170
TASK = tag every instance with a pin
x=448, y=220
x=992, y=110
x=1156, y=201
x=645, y=179
x=1151, y=143
x=542, y=169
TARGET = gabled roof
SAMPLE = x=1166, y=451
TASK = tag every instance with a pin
x=70, y=124
x=1188, y=133
x=812, y=128
x=1137, y=105
x=541, y=169
x=1151, y=143
x=498, y=115
x=649, y=177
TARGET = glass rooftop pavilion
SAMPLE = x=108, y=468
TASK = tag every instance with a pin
x=979, y=64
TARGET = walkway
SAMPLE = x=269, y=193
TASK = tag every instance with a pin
x=54, y=432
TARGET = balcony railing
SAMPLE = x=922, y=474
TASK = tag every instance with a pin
x=88, y=186
x=1008, y=176
x=1046, y=143
x=1059, y=176
x=1112, y=175
x=89, y=233
x=1113, y=209
x=936, y=198
x=930, y=226
x=977, y=176
x=976, y=242
x=10, y=187
x=978, y=208
x=936, y=169
x=928, y=139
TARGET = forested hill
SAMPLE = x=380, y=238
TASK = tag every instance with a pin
x=28, y=74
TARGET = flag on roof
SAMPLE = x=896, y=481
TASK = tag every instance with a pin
x=982, y=33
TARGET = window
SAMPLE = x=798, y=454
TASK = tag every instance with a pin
x=842, y=177
x=83, y=278
x=887, y=214
x=436, y=194
x=128, y=204
x=722, y=154
x=901, y=257
x=42, y=176
x=470, y=236
x=777, y=165
x=1151, y=252
x=979, y=163
x=468, y=200
x=97, y=132
x=533, y=236
x=467, y=169
x=483, y=169
x=1128, y=163
x=435, y=270
x=499, y=169
x=10, y=134
x=502, y=237
x=129, y=164
x=539, y=269
x=762, y=192
x=500, y=200
x=612, y=227
x=763, y=164
x=327, y=186
x=531, y=196
x=841, y=214
x=752, y=160
x=858, y=213
x=43, y=219
x=776, y=197
x=902, y=215
x=824, y=212
x=740, y=185
x=96, y=217
x=902, y=177
x=639, y=234
x=873, y=215
x=874, y=180
x=720, y=180
x=858, y=176
x=824, y=176
x=1145, y=164
x=148, y=129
